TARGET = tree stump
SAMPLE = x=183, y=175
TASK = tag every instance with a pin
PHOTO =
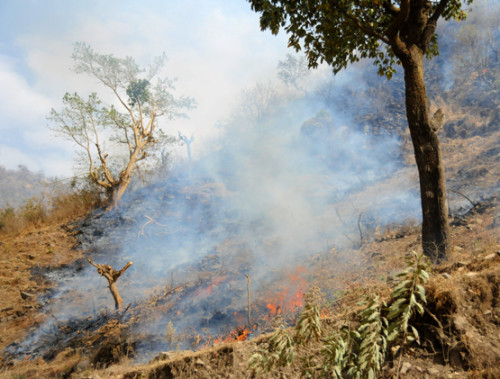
x=112, y=276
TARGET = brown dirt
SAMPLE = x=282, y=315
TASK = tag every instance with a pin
x=462, y=294
x=460, y=332
x=21, y=257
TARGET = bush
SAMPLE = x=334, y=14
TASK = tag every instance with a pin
x=62, y=205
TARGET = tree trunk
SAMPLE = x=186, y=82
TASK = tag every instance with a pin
x=119, y=189
x=116, y=295
x=112, y=276
x=117, y=194
x=435, y=227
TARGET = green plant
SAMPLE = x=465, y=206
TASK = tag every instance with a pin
x=361, y=351
x=279, y=352
x=372, y=337
x=408, y=298
x=308, y=326
x=337, y=350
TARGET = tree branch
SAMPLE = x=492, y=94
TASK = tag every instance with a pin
x=431, y=25
x=366, y=29
x=392, y=32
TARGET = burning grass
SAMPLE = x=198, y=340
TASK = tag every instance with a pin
x=462, y=295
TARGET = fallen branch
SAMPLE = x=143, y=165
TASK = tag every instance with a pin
x=465, y=197
x=112, y=276
x=151, y=220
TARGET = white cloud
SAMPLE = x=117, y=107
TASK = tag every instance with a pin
x=215, y=49
x=20, y=104
x=11, y=158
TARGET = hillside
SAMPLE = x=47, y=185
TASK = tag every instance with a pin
x=306, y=204
x=459, y=340
x=17, y=186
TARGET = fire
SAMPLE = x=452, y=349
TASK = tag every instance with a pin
x=290, y=298
x=238, y=335
x=204, y=292
x=324, y=313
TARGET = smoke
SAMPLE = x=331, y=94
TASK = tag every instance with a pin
x=284, y=179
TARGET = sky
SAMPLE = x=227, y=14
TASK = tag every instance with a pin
x=215, y=49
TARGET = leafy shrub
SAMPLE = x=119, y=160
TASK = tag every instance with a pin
x=361, y=351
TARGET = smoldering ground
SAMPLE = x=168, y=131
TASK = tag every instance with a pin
x=284, y=179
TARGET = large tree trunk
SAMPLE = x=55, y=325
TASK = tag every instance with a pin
x=435, y=227
x=118, y=193
x=122, y=184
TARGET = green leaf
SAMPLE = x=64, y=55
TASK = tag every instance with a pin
x=421, y=292
x=415, y=334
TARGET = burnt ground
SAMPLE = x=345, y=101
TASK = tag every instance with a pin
x=461, y=330
x=460, y=333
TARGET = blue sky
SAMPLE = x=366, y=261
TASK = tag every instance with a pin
x=215, y=48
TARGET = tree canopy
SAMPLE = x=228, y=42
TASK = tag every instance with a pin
x=390, y=32
x=345, y=31
x=143, y=97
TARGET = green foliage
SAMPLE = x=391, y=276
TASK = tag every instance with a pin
x=408, y=298
x=338, y=349
x=308, y=326
x=372, y=341
x=343, y=32
x=279, y=352
x=137, y=91
x=133, y=126
x=361, y=351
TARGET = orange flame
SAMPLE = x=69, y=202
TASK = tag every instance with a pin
x=324, y=313
x=287, y=300
x=237, y=335
x=204, y=292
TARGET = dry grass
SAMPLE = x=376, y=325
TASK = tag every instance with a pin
x=47, y=210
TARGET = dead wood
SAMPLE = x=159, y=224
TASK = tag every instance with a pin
x=150, y=220
x=249, y=303
x=112, y=276
x=465, y=197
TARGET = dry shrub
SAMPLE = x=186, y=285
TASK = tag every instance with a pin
x=467, y=306
x=442, y=296
x=73, y=204
x=39, y=211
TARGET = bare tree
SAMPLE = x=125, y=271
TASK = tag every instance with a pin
x=143, y=98
x=112, y=276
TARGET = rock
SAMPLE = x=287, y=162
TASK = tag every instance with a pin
x=27, y=295
x=433, y=371
x=405, y=367
x=490, y=256
x=199, y=362
x=460, y=322
x=446, y=275
x=83, y=365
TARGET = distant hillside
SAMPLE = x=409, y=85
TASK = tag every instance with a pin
x=16, y=186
